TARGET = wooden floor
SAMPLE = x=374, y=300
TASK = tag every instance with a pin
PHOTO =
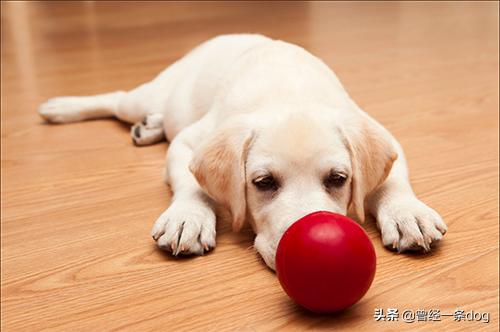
x=78, y=200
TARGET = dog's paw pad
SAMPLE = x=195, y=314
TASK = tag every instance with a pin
x=148, y=131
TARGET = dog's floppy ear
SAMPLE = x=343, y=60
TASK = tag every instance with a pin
x=372, y=155
x=219, y=167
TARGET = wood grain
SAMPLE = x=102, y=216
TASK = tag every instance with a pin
x=78, y=200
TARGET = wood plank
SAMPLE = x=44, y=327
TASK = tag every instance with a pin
x=78, y=200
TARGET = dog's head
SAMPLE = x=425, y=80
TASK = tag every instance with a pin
x=273, y=170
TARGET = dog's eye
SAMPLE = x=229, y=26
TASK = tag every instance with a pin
x=266, y=183
x=335, y=180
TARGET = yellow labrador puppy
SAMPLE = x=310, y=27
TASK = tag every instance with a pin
x=265, y=129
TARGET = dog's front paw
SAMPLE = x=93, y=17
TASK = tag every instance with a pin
x=408, y=224
x=186, y=227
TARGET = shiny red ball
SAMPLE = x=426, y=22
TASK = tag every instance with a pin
x=325, y=262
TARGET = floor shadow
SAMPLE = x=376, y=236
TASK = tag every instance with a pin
x=120, y=124
x=370, y=226
x=305, y=319
x=181, y=258
x=48, y=123
x=436, y=249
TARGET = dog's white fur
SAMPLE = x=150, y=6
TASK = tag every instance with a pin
x=240, y=108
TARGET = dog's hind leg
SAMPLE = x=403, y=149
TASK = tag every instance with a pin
x=148, y=128
x=144, y=106
x=72, y=109
x=131, y=107
x=137, y=106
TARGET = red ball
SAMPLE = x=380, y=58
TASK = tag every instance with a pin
x=325, y=262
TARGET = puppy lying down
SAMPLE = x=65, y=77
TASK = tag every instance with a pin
x=265, y=129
